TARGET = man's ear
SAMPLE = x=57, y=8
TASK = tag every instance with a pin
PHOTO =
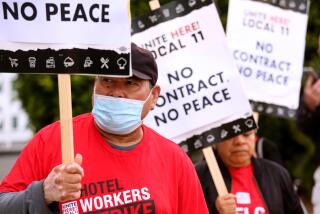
x=155, y=95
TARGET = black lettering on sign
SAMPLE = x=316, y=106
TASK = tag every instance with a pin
x=24, y=11
x=157, y=41
x=13, y=11
x=267, y=47
x=245, y=71
x=262, y=60
x=167, y=48
x=270, y=77
x=213, y=82
x=65, y=12
x=93, y=7
x=80, y=13
x=105, y=13
x=258, y=24
x=201, y=103
x=51, y=9
x=172, y=115
x=95, y=13
x=186, y=72
x=28, y=11
x=189, y=88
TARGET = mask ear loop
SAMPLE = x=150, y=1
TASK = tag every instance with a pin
x=145, y=101
x=148, y=95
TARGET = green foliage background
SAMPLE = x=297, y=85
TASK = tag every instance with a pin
x=39, y=95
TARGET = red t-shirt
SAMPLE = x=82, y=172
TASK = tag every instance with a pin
x=154, y=177
x=248, y=197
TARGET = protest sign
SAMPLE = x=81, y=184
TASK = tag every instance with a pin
x=267, y=39
x=65, y=37
x=200, y=88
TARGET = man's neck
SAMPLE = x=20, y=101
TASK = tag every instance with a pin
x=123, y=140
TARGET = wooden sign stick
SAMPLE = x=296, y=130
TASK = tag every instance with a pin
x=215, y=171
x=207, y=152
x=65, y=106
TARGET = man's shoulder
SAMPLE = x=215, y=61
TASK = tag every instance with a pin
x=82, y=119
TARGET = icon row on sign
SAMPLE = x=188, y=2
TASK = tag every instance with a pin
x=224, y=134
x=69, y=62
x=277, y=110
x=165, y=12
x=292, y=4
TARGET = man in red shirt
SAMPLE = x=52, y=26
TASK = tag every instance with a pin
x=256, y=186
x=121, y=166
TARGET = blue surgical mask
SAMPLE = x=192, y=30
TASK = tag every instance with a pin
x=117, y=115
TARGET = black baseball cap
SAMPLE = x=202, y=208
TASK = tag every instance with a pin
x=144, y=66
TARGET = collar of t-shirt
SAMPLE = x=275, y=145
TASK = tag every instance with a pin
x=122, y=148
x=244, y=186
